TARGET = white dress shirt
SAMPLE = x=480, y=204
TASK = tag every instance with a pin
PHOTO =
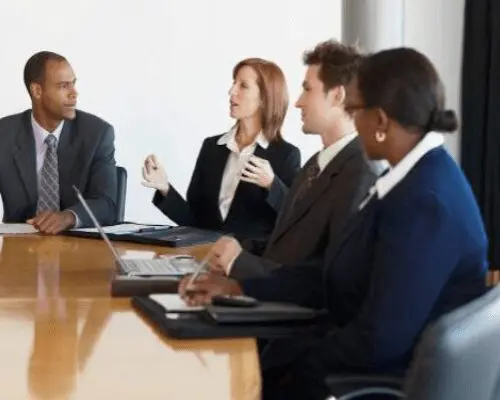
x=328, y=153
x=235, y=163
x=397, y=173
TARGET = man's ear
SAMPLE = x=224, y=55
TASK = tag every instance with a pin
x=341, y=95
x=338, y=96
x=36, y=90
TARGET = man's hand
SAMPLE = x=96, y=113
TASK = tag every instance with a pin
x=205, y=287
x=222, y=254
x=53, y=222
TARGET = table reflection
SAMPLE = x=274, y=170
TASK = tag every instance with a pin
x=61, y=349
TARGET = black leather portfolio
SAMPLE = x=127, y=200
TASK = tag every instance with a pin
x=265, y=321
x=128, y=286
x=170, y=236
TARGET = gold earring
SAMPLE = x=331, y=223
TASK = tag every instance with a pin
x=380, y=136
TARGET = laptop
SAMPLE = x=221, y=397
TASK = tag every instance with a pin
x=174, y=266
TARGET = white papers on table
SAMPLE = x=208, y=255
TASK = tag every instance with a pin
x=17, y=229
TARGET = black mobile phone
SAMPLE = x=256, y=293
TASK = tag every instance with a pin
x=234, y=301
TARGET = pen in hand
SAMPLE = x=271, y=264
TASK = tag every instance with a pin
x=192, y=279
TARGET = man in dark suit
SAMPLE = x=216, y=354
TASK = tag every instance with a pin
x=329, y=187
x=48, y=149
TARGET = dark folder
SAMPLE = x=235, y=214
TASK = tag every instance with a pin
x=128, y=286
x=265, y=321
x=170, y=236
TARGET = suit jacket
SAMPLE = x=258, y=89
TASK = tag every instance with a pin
x=253, y=210
x=403, y=261
x=86, y=160
x=323, y=211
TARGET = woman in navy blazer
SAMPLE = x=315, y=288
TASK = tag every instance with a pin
x=241, y=177
x=416, y=249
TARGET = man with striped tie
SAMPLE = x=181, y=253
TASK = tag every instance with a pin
x=46, y=150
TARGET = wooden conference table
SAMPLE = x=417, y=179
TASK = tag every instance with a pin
x=63, y=337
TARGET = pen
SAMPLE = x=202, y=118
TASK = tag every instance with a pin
x=153, y=228
x=201, y=266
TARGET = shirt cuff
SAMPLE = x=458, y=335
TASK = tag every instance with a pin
x=230, y=265
x=77, y=220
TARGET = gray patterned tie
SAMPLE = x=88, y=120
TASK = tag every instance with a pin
x=48, y=191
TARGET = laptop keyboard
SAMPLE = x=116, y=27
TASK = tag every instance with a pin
x=151, y=267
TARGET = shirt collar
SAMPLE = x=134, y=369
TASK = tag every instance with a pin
x=397, y=173
x=229, y=140
x=41, y=133
x=328, y=153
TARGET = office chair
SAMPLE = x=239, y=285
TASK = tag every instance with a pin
x=458, y=358
x=121, y=193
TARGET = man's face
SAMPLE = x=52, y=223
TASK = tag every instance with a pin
x=56, y=94
x=318, y=108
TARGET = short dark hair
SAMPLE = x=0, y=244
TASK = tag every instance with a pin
x=405, y=84
x=34, y=70
x=338, y=62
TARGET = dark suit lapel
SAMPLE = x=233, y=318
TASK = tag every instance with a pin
x=25, y=157
x=283, y=220
x=219, y=161
x=319, y=186
x=67, y=149
x=68, y=160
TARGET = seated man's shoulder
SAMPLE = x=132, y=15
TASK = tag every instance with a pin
x=11, y=120
x=92, y=123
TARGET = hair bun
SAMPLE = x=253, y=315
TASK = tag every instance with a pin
x=443, y=121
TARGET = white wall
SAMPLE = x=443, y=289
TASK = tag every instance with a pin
x=159, y=70
x=435, y=27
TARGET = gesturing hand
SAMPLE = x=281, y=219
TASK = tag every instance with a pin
x=154, y=175
x=258, y=171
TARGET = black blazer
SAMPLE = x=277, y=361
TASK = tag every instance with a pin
x=333, y=197
x=401, y=262
x=86, y=156
x=253, y=211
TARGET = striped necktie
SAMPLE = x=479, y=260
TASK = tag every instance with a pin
x=48, y=190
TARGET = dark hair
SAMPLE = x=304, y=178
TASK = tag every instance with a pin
x=273, y=93
x=34, y=70
x=338, y=62
x=405, y=84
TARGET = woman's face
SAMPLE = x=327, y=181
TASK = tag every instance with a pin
x=366, y=119
x=244, y=95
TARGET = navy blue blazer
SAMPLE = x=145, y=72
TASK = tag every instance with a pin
x=402, y=261
x=253, y=211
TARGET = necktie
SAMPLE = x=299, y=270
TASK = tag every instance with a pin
x=312, y=172
x=48, y=191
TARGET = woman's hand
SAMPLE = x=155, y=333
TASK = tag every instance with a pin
x=259, y=172
x=154, y=175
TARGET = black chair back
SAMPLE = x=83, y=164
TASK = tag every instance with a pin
x=121, y=193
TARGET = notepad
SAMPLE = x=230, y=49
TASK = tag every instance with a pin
x=174, y=304
x=17, y=229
